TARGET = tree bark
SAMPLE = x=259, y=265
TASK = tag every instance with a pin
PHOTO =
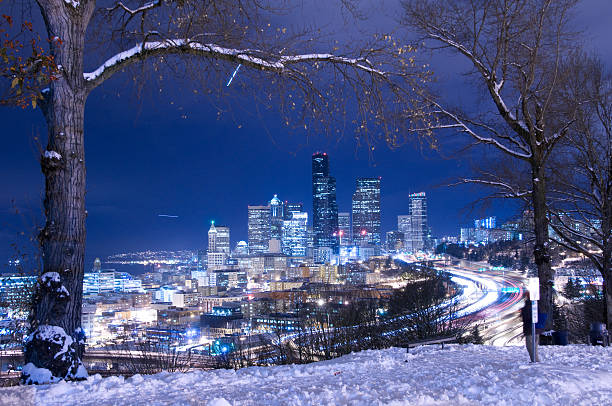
x=56, y=340
x=542, y=257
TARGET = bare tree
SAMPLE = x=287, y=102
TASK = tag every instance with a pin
x=211, y=36
x=147, y=358
x=581, y=187
x=516, y=49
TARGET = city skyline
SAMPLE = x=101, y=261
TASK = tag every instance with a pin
x=211, y=167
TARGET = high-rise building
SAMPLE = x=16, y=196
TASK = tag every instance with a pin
x=366, y=212
x=292, y=208
x=414, y=225
x=419, y=234
x=223, y=240
x=295, y=235
x=404, y=226
x=276, y=218
x=344, y=228
x=218, y=246
x=324, y=206
x=259, y=229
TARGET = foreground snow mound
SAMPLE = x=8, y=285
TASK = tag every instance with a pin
x=455, y=375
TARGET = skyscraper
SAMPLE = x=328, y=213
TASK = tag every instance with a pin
x=404, y=226
x=219, y=239
x=295, y=235
x=259, y=228
x=418, y=237
x=276, y=218
x=291, y=208
x=344, y=228
x=366, y=212
x=324, y=206
x=212, y=237
x=218, y=246
x=223, y=240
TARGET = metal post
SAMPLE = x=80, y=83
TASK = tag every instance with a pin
x=534, y=320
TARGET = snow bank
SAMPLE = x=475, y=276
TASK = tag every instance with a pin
x=455, y=375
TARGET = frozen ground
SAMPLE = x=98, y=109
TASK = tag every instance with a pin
x=455, y=375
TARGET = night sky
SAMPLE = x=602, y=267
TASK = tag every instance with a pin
x=167, y=153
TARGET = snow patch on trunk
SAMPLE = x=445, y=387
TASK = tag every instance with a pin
x=38, y=376
x=53, y=155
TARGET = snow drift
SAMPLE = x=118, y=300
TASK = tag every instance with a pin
x=455, y=375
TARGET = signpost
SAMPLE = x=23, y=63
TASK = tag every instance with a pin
x=534, y=295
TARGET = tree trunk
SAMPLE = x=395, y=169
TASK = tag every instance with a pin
x=55, y=345
x=541, y=255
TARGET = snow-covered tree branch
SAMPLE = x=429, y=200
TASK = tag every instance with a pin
x=281, y=64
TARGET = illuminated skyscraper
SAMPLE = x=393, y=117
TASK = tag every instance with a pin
x=276, y=218
x=223, y=240
x=259, y=229
x=324, y=206
x=218, y=246
x=366, y=212
x=292, y=208
x=404, y=226
x=419, y=233
x=295, y=235
x=344, y=228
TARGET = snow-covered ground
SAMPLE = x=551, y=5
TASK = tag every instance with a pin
x=455, y=375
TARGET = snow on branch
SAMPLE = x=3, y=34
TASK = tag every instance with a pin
x=147, y=6
x=489, y=77
x=253, y=58
x=511, y=192
x=462, y=126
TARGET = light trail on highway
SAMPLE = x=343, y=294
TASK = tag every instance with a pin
x=486, y=295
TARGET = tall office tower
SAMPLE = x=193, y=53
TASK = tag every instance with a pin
x=344, y=228
x=292, y=208
x=295, y=235
x=366, y=212
x=419, y=235
x=276, y=218
x=212, y=237
x=218, y=239
x=324, y=206
x=404, y=226
x=223, y=240
x=259, y=229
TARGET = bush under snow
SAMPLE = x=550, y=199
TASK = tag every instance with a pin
x=455, y=375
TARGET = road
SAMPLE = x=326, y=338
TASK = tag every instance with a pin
x=492, y=296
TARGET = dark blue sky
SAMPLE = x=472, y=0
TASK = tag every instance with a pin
x=144, y=158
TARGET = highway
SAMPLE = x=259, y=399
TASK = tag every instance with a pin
x=491, y=296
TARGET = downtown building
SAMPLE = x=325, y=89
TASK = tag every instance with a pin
x=414, y=225
x=366, y=212
x=295, y=234
x=218, y=246
x=259, y=228
x=277, y=209
x=345, y=232
x=324, y=208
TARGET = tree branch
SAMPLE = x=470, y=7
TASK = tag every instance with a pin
x=248, y=57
